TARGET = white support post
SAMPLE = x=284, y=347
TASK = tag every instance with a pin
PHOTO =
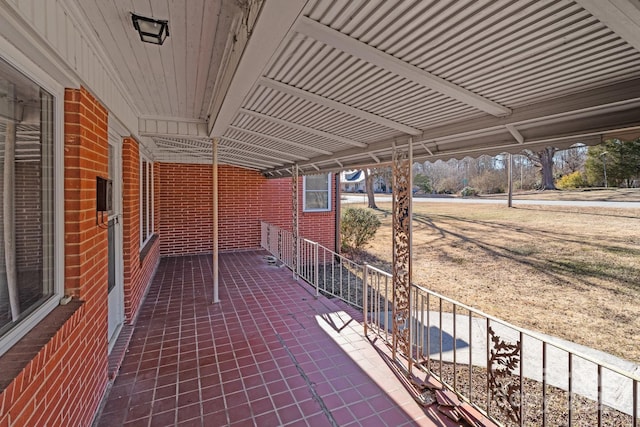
x=216, y=298
x=365, y=296
x=296, y=238
x=510, y=167
x=410, y=266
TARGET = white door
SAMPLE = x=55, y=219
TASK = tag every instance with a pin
x=116, y=276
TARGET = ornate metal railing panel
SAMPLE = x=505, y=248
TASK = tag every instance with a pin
x=401, y=251
x=519, y=377
x=504, y=359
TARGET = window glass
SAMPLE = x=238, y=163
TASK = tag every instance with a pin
x=317, y=192
x=146, y=200
x=112, y=164
x=27, y=197
x=317, y=182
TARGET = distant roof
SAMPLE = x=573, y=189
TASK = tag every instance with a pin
x=356, y=176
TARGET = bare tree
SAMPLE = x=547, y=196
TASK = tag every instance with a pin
x=368, y=184
x=572, y=159
x=543, y=159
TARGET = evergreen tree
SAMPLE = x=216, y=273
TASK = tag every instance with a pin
x=620, y=159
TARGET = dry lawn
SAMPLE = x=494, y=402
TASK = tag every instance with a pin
x=568, y=272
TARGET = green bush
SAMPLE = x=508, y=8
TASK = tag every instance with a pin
x=423, y=182
x=573, y=180
x=357, y=227
x=469, y=192
x=448, y=185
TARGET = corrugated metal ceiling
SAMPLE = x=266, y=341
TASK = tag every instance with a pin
x=343, y=81
x=509, y=54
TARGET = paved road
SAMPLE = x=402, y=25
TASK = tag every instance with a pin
x=360, y=198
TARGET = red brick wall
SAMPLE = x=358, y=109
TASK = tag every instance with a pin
x=278, y=199
x=28, y=224
x=55, y=387
x=64, y=383
x=245, y=198
x=185, y=206
x=240, y=207
x=137, y=272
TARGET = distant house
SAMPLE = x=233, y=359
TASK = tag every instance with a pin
x=353, y=182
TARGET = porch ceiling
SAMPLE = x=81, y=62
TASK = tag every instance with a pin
x=330, y=84
x=174, y=80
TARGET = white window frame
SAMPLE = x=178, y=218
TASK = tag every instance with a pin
x=304, y=195
x=28, y=68
x=150, y=201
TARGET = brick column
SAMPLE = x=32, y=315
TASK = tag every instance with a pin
x=137, y=272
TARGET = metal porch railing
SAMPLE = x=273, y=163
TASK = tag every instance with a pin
x=515, y=376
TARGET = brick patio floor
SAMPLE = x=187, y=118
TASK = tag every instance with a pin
x=269, y=354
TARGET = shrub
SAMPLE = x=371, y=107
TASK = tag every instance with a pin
x=423, y=182
x=448, y=185
x=573, y=180
x=357, y=227
x=490, y=182
x=469, y=192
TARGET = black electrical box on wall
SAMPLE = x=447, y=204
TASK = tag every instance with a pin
x=104, y=194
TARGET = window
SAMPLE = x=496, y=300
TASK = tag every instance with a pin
x=146, y=200
x=28, y=240
x=317, y=193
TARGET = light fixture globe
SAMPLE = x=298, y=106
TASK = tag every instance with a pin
x=151, y=30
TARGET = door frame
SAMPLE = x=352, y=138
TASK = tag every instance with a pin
x=115, y=302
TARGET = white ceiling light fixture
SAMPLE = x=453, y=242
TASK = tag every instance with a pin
x=151, y=30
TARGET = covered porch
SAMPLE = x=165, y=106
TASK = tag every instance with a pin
x=272, y=354
x=216, y=127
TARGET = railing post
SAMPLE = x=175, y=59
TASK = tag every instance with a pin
x=296, y=261
x=365, y=295
x=488, y=367
x=570, y=390
x=316, y=266
x=270, y=239
x=296, y=239
x=635, y=403
x=412, y=327
x=279, y=249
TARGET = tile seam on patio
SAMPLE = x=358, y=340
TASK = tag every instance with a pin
x=314, y=393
